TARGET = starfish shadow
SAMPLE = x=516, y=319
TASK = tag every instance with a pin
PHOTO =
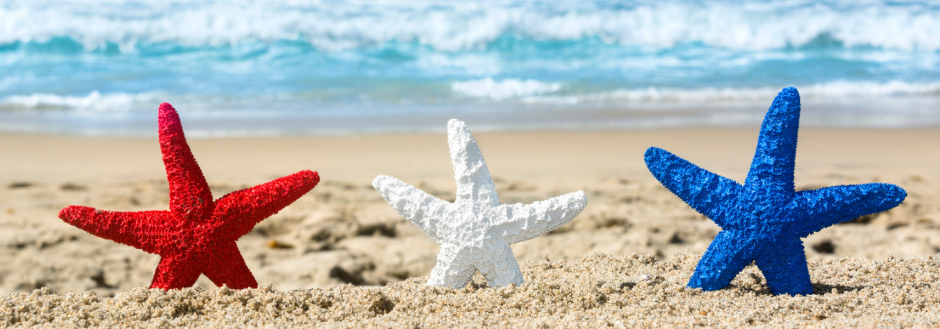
x=825, y=288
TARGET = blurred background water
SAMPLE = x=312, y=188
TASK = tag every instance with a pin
x=285, y=67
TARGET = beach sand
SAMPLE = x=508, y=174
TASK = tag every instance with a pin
x=623, y=262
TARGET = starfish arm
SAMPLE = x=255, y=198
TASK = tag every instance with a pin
x=454, y=267
x=772, y=167
x=784, y=267
x=474, y=183
x=728, y=254
x=708, y=193
x=227, y=267
x=175, y=272
x=424, y=210
x=190, y=196
x=242, y=210
x=519, y=222
x=835, y=204
x=144, y=230
x=501, y=268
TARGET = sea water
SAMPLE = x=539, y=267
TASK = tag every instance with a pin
x=285, y=67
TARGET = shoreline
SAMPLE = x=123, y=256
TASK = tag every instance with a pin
x=210, y=120
x=615, y=152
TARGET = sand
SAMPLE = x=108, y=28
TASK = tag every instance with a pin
x=622, y=263
x=597, y=291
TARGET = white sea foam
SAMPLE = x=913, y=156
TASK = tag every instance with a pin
x=205, y=104
x=94, y=101
x=508, y=90
x=472, y=24
x=832, y=90
x=499, y=90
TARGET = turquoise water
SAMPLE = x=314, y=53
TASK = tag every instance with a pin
x=296, y=67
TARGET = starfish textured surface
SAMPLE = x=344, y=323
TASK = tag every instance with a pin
x=764, y=220
x=475, y=231
x=197, y=235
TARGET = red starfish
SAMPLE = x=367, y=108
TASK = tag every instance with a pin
x=197, y=235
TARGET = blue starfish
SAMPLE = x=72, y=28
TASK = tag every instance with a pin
x=764, y=220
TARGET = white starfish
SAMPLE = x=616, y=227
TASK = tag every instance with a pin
x=475, y=231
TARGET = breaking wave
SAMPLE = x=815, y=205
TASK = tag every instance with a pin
x=837, y=90
x=504, y=89
x=508, y=90
x=753, y=25
x=94, y=101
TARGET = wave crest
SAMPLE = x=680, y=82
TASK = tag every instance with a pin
x=836, y=90
x=473, y=24
x=499, y=90
x=94, y=101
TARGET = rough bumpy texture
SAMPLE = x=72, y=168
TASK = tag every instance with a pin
x=598, y=291
x=197, y=235
x=475, y=231
x=764, y=219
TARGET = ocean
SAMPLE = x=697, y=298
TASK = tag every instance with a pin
x=292, y=67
